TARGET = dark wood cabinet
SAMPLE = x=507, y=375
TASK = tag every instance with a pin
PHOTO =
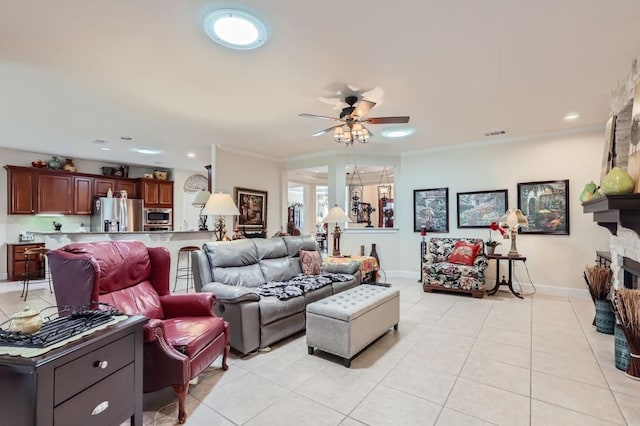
x=55, y=193
x=156, y=193
x=102, y=185
x=96, y=381
x=31, y=190
x=20, y=190
x=16, y=261
x=82, y=195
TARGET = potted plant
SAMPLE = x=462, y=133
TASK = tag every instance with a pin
x=491, y=244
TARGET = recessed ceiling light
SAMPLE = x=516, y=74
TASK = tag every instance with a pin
x=235, y=29
x=397, y=133
x=147, y=150
x=191, y=155
x=158, y=162
x=126, y=138
x=572, y=116
x=105, y=148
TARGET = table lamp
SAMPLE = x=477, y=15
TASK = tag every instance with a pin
x=337, y=215
x=200, y=200
x=513, y=219
x=221, y=205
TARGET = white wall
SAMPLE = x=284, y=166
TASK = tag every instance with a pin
x=237, y=170
x=552, y=260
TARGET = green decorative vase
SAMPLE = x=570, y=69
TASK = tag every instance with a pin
x=588, y=192
x=617, y=182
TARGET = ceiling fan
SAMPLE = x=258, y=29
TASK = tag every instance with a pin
x=352, y=120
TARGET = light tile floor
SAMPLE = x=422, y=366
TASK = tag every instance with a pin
x=454, y=361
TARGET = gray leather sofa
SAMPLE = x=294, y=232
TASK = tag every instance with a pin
x=233, y=269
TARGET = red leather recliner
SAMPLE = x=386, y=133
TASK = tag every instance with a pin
x=183, y=336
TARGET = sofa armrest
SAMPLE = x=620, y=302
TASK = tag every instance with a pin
x=201, y=269
x=341, y=268
x=188, y=305
x=231, y=293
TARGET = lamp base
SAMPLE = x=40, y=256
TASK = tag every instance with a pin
x=336, y=241
x=220, y=229
x=513, y=251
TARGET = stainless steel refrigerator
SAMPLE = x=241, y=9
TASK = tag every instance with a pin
x=116, y=215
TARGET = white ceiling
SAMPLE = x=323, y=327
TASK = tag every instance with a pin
x=72, y=71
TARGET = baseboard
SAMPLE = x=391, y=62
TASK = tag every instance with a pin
x=4, y=276
x=554, y=290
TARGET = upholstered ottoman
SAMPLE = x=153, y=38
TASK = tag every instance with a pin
x=345, y=323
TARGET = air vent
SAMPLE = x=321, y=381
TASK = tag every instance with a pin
x=496, y=133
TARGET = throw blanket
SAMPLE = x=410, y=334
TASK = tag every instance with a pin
x=299, y=285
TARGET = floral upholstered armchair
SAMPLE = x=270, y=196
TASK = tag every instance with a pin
x=455, y=264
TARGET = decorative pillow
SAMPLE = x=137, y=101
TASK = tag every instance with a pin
x=464, y=253
x=311, y=262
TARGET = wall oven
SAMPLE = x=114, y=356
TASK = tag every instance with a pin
x=158, y=228
x=152, y=217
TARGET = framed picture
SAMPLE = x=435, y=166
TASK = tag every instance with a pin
x=546, y=206
x=252, y=205
x=478, y=209
x=431, y=209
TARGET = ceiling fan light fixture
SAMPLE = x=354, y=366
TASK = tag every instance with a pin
x=235, y=29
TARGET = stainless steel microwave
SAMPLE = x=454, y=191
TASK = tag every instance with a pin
x=157, y=216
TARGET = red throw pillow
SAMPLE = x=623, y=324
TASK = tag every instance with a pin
x=311, y=262
x=464, y=253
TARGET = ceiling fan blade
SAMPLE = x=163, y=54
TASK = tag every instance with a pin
x=330, y=129
x=362, y=108
x=323, y=117
x=385, y=120
x=369, y=131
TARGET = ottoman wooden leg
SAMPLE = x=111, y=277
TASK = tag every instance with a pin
x=346, y=362
x=310, y=350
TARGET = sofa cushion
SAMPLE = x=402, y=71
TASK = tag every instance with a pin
x=464, y=253
x=140, y=299
x=122, y=263
x=311, y=262
x=295, y=244
x=270, y=248
x=243, y=276
x=277, y=269
x=231, y=253
x=189, y=335
x=273, y=309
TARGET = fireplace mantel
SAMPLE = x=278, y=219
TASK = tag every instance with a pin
x=613, y=210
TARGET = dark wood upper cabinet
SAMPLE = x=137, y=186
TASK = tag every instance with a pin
x=31, y=190
x=21, y=182
x=55, y=193
x=156, y=193
x=83, y=192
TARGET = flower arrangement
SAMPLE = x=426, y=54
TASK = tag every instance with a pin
x=495, y=227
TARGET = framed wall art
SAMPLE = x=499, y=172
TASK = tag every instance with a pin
x=431, y=209
x=546, y=206
x=252, y=204
x=478, y=209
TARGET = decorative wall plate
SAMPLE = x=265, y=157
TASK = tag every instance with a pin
x=195, y=183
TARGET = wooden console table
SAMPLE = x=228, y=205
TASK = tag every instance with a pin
x=510, y=259
x=95, y=381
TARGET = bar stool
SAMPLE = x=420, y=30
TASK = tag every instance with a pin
x=41, y=273
x=185, y=272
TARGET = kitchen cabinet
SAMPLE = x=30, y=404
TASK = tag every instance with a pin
x=101, y=187
x=21, y=182
x=33, y=190
x=157, y=193
x=96, y=380
x=55, y=193
x=82, y=195
x=16, y=261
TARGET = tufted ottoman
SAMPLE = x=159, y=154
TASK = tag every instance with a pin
x=345, y=323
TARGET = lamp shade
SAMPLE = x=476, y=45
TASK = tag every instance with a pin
x=336, y=214
x=201, y=198
x=220, y=204
x=514, y=218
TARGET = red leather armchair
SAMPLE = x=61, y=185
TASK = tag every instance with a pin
x=183, y=336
